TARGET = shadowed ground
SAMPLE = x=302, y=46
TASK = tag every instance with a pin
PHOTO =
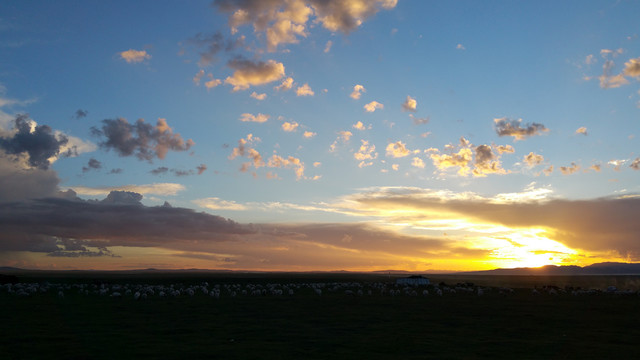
x=329, y=326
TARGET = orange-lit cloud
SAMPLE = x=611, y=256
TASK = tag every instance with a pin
x=397, y=149
x=304, y=90
x=410, y=104
x=510, y=127
x=257, y=96
x=533, y=159
x=286, y=84
x=290, y=126
x=568, y=170
x=357, y=92
x=290, y=162
x=581, y=130
x=248, y=73
x=365, y=153
x=132, y=56
x=632, y=68
x=373, y=106
x=260, y=118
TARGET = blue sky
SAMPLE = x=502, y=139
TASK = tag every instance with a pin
x=252, y=114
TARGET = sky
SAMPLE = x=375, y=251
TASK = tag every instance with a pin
x=319, y=135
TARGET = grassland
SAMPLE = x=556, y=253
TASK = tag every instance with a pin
x=307, y=326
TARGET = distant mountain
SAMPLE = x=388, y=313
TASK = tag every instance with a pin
x=606, y=268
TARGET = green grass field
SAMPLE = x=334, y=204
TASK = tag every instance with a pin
x=308, y=326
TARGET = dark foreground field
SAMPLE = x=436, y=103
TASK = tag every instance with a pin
x=333, y=325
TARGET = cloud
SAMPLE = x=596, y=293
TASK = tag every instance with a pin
x=533, y=159
x=510, y=127
x=160, y=171
x=357, y=92
x=460, y=47
x=461, y=159
x=505, y=149
x=373, y=106
x=582, y=130
x=635, y=164
x=632, y=68
x=285, y=22
x=140, y=139
x=601, y=225
x=397, y=150
x=248, y=73
x=201, y=168
x=309, y=134
x=608, y=81
x=260, y=118
x=410, y=104
x=617, y=164
x=93, y=164
x=346, y=16
x=214, y=203
x=244, y=150
x=419, y=121
x=327, y=47
x=257, y=96
x=286, y=84
x=343, y=136
x=304, y=90
x=210, y=84
x=198, y=77
x=210, y=45
x=132, y=56
x=364, y=153
x=118, y=220
x=290, y=126
x=281, y=22
x=596, y=167
x=568, y=170
x=290, y=162
x=487, y=162
x=38, y=142
x=165, y=189
x=360, y=126
x=20, y=183
x=417, y=162
x=81, y=114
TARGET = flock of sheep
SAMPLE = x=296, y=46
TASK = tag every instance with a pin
x=347, y=289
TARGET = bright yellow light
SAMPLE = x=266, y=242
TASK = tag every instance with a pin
x=529, y=248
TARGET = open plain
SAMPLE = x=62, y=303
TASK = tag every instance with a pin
x=93, y=315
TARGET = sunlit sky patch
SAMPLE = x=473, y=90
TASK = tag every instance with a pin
x=319, y=135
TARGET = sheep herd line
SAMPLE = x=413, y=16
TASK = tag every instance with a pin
x=142, y=292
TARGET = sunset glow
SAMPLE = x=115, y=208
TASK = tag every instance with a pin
x=304, y=135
